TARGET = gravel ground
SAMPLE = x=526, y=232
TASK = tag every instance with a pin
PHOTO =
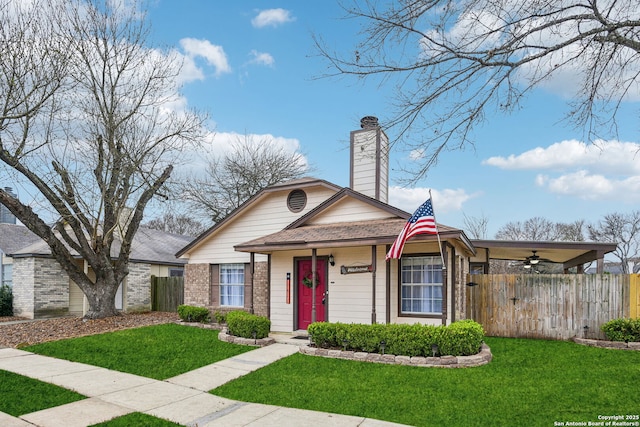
x=37, y=331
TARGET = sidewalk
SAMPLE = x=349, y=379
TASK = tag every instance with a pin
x=182, y=399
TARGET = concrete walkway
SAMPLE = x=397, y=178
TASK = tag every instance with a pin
x=182, y=399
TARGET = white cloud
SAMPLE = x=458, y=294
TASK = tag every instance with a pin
x=220, y=143
x=588, y=186
x=603, y=170
x=447, y=200
x=214, y=55
x=261, y=58
x=601, y=156
x=417, y=154
x=272, y=18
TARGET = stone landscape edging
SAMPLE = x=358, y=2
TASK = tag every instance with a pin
x=616, y=345
x=261, y=342
x=482, y=358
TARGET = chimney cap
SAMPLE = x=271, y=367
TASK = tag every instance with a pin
x=369, y=122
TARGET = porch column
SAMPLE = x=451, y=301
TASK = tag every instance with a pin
x=387, y=288
x=313, y=284
x=373, y=284
x=600, y=264
x=252, y=264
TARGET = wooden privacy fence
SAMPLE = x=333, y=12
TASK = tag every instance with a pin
x=167, y=293
x=552, y=306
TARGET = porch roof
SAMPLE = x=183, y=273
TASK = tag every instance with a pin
x=344, y=234
x=570, y=254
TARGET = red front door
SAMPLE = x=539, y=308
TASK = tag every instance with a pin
x=305, y=292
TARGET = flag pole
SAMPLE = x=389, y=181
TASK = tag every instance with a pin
x=435, y=220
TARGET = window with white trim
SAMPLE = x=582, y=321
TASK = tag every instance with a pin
x=421, y=285
x=232, y=285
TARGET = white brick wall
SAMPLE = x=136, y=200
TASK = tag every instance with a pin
x=138, y=288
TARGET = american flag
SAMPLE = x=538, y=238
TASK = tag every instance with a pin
x=421, y=222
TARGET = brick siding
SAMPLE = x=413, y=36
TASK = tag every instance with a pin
x=197, y=288
x=138, y=288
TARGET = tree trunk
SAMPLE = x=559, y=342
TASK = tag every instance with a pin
x=101, y=297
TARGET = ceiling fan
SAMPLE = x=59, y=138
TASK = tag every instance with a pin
x=532, y=260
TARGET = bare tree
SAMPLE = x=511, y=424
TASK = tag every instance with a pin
x=623, y=229
x=176, y=224
x=85, y=122
x=476, y=226
x=249, y=166
x=452, y=62
x=536, y=228
x=571, y=232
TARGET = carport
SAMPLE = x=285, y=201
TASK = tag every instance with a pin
x=569, y=254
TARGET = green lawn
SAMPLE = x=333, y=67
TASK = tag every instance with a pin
x=21, y=395
x=159, y=352
x=136, y=419
x=529, y=382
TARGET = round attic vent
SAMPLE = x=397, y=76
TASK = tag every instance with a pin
x=296, y=201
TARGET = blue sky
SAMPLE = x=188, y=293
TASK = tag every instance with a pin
x=253, y=67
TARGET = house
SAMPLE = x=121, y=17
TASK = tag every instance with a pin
x=308, y=250
x=41, y=288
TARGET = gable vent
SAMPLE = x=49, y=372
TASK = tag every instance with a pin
x=296, y=201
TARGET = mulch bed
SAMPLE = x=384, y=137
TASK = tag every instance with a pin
x=37, y=331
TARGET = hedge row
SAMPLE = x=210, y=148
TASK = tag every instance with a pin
x=462, y=338
x=627, y=330
x=190, y=313
x=243, y=324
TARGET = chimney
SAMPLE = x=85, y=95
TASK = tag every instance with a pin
x=6, y=217
x=370, y=160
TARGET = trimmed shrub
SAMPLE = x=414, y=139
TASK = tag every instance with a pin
x=6, y=301
x=462, y=338
x=627, y=330
x=221, y=317
x=244, y=324
x=190, y=313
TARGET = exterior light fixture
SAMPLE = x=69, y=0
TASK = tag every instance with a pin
x=434, y=349
x=383, y=345
x=332, y=261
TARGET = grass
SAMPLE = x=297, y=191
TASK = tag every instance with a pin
x=21, y=395
x=136, y=419
x=529, y=382
x=159, y=352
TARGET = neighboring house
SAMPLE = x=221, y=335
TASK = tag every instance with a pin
x=265, y=255
x=12, y=238
x=41, y=288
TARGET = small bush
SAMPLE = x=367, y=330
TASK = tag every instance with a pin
x=627, y=330
x=461, y=338
x=243, y=324
x=221, y=317
x=6, y=301
x=190, y=313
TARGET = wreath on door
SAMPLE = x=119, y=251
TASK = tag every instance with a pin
x=307, y=279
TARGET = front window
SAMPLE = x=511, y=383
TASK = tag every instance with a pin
x=6, y=276
x=232, y=285
x=421, y=285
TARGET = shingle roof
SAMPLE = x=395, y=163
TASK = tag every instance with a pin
x=14, y=237
x=148, y=245
x=370, y=232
